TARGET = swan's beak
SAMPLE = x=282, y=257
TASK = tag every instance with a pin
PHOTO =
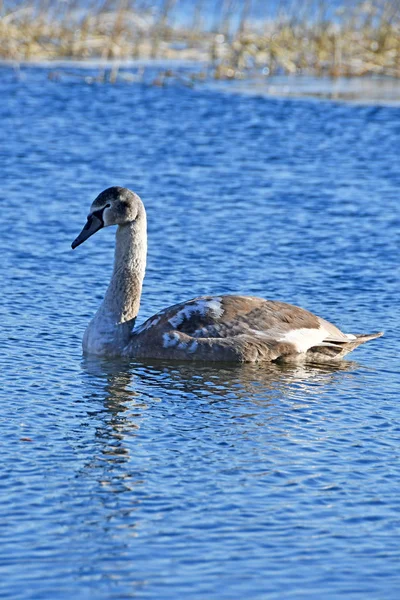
x=93, y=224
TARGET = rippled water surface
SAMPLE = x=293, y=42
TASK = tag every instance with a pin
x=165, y=481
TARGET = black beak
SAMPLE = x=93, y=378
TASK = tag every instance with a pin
x=93, y=224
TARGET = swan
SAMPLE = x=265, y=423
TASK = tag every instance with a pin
x=208, y=328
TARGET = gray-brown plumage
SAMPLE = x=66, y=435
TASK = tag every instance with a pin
x=241, y=329
x=209, y=328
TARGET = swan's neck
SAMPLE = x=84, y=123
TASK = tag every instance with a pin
x=110, y=329
x=122, y=298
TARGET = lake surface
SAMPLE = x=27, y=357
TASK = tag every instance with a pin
x=163, y=481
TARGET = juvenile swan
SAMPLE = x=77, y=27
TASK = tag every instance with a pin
x=216, y=328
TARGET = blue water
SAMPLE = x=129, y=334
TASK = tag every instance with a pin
x=163, y=481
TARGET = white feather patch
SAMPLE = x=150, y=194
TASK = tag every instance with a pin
x=170, y=339
x=303, y=339
x=200, y=306
x=146, y=325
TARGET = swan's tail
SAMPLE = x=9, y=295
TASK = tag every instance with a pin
x=336, y=349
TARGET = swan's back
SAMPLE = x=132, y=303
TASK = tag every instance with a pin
x=239, y=328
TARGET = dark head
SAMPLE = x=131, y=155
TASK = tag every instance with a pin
x=114, y=206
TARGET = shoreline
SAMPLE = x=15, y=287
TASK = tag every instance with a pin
x=381, y=89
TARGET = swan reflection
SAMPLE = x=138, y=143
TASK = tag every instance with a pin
x=133, y=386
x=163, y=429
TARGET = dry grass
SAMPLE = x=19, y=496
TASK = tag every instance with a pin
x=361, y=38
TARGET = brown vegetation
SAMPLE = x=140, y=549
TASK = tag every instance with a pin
x=360, y=38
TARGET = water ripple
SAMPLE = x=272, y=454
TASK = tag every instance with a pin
x=124, y=479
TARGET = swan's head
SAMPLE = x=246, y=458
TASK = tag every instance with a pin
x=114, y=206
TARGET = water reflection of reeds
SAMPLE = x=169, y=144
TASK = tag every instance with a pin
x=357, y=38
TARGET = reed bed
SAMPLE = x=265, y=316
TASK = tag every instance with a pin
x=359, y=38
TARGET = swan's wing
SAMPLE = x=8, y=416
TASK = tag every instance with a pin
x=231, y=316
x=239, y=328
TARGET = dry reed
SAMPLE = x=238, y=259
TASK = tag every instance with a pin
x=358, y=39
